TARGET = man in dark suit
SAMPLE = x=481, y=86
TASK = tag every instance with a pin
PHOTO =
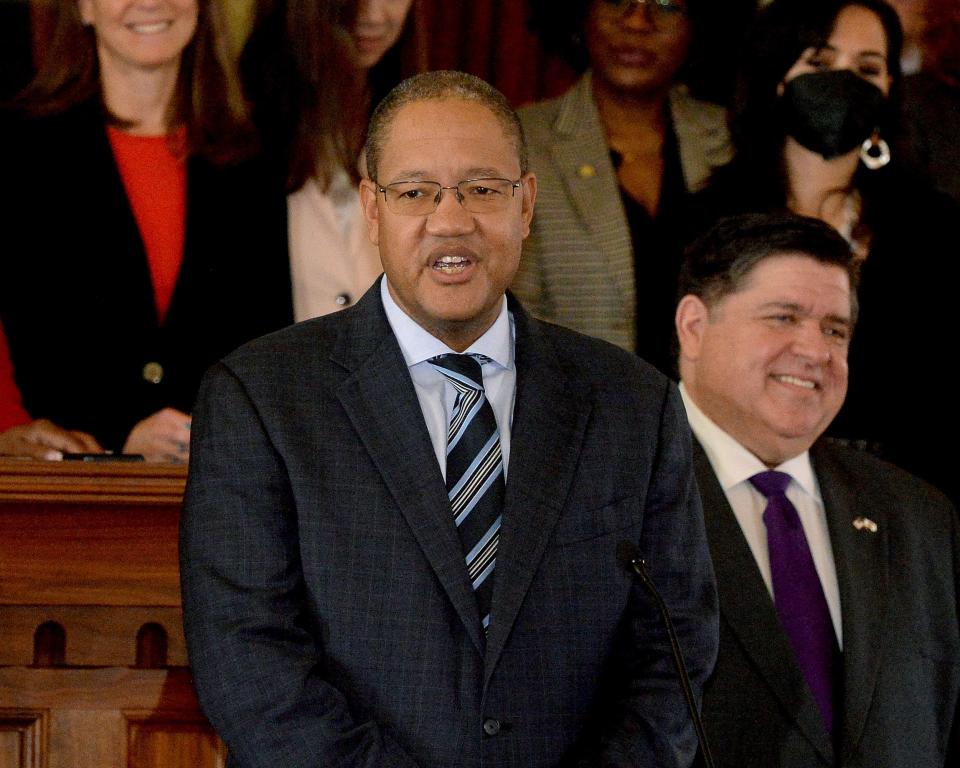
x=837, y=573
x=361, y=585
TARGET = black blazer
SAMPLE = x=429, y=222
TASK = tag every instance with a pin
x=899, y=591
x=327, y=610
x=75, y=291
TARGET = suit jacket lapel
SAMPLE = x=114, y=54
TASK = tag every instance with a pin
x=379, y=397
x=549, y=422
x=580, y=145
x=748, y=610
x=120, y=256
x=861, y=560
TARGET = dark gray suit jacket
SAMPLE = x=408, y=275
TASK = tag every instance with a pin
x=327, y=609
x=901, y=633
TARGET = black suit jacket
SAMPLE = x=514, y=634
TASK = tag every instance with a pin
x=901, y=634
x=76, y=296
x=327, y=609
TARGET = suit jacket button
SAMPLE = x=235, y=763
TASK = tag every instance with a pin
x=491, y=726
x=153, y=372
x=342, y=299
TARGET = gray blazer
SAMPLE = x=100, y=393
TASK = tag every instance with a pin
x=577, y=265
x=327, y=608
x=899, y=593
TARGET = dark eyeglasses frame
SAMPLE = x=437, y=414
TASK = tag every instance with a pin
x=667, y=9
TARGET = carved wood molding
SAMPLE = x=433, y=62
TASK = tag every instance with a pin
x=24, y=734
x=83, y=483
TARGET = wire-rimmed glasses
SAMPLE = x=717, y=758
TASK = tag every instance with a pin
x=421, y=198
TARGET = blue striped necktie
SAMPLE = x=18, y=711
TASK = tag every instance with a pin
x=474, y=473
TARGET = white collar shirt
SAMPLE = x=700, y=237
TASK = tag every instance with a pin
x=734, y=465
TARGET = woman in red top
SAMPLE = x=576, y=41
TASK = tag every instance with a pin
x=138, y=212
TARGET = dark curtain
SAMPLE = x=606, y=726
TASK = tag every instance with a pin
x=491, y=39
x=16, y=62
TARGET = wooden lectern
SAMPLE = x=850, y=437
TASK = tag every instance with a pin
x=93, y=668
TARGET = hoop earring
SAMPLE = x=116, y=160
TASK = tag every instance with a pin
x=874, y=152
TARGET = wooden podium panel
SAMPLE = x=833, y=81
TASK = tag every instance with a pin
x=93, y=665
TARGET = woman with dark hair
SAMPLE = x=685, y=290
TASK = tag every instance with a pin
x=816, y=109
x=139, y=244
x=930, y=108
x=616, y=157
x=313, y=70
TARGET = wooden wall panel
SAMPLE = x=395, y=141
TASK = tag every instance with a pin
x=86, y=556
x=92, y=656
x=106, y=718
x=96, y=636
x=89, y=534
x=86, y=738
x=22, y=738
x=171, y=742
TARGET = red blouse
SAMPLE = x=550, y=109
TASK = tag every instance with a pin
x=156, y=184
x=11, y=406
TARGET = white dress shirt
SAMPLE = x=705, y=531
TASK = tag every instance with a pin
x=435, y=392
x=734, y=465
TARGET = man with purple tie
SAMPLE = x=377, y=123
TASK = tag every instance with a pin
x=837, y=573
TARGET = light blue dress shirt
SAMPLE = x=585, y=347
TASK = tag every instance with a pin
x=436, y=394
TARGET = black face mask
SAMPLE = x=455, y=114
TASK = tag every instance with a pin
x=831, y=112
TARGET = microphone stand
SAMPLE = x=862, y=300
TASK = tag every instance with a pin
x=639, y=567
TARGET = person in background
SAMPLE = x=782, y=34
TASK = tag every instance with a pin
x=140, y=242
x=913, y=22
x=817, y=103
x=617, y=156
x=389, y=38
x=313, y=70
x=838, y=574
x=930, y=104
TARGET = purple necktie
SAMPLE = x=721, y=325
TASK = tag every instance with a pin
x=797, y=592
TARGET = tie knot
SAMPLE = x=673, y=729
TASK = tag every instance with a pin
x=464, y=368
x=771, y=483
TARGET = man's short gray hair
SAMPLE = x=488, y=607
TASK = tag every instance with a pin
x=441, y=84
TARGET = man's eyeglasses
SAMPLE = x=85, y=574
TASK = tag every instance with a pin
x=659, y=9
x=421, y=198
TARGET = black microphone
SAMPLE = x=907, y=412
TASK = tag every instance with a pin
x=628, y=553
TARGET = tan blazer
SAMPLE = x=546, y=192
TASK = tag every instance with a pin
x=577, y=265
